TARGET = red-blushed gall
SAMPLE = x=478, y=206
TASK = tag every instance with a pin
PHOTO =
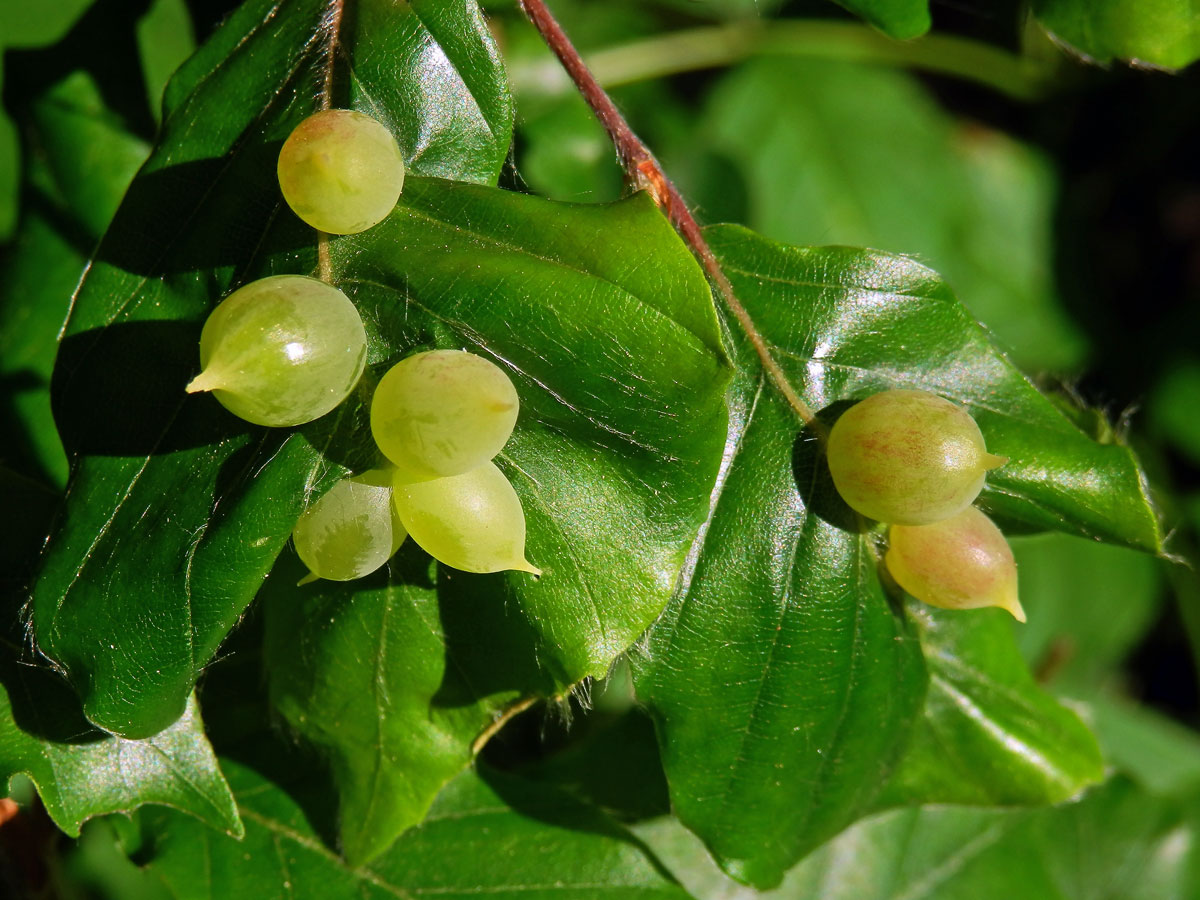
x=962, y=562
x=341, y=171
x=908, y=457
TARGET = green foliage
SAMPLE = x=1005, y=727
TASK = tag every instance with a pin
x=9, y=171
x=125, y=309
x=902, y=19
x=782, y=644
x=82, y=772
x=165, y=40
x=571, y=851
x=165, y=34
x=864, y=156
x=1171, y=407
x=1147, y=32
x=70, y=201
x=367, y=672
x=719, y=9
x=592, y=426
x=787, y=715
x=489, y=832
x=1117, y=842
x=1160, y=33
x=1089, y=605
x=989, y=735
x=855, y=322
x=23, y=25
x=1160, y=754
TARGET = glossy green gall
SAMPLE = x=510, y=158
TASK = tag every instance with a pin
x=442, y=412
x=471, y=521
x=282, y=350
x=351, y=530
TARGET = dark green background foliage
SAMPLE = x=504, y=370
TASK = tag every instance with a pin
x=713, y=691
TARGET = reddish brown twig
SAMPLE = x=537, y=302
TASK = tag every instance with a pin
x=333, y=26
x=646, y=174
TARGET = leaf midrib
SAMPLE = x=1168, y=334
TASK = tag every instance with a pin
x=694, y=338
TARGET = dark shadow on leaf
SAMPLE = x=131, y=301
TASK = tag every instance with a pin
x=29, y=507
x=20, y=452
x=344, y=435
x=490, y=646
x=813, y=479
x=1011, y=527
x=37, y=203
x=560, y=809
x=242, y=726
x=204, y=215
x=610, y=760
x=43, y=705
x=344, y=77
x=239, y=469
x=119, y=391
x=487, y=650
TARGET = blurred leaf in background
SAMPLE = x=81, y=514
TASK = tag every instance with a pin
x=723, y=9
x=901, y=19
x=9, y=170
x=1117, y=842
x=24, y=25
x=1094, y=603
x=80, y=158
x=1172, y=407
x=864, y=156
x=68, y=200
x=1163, y=33
x=165, y=40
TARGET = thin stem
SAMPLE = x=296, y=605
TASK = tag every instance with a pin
x=333, y=24
x=324, y=259
x=722, y=45
x=645, y=173
x=509, y=713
